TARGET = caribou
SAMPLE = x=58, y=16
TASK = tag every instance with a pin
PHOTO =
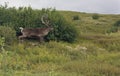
x=37, y=32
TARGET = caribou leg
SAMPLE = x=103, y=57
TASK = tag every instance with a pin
x=41, y=39
x=21, y=38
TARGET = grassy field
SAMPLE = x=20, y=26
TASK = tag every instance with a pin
x=94, y=53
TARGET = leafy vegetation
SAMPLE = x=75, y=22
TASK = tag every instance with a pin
x=94, y=53
x=95, y=16
x=76, y=17
x=8, y=33
x=117, y=23
x=28, y=18
x=115, y=27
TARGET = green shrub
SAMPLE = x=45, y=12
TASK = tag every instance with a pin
x=28, y=18
x=76, y=17
x=95, y=16
x=113, y=29
x=117, y=23
x=8, y=33
x=63, y=30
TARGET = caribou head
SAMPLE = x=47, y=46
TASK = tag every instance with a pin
x=37, y=32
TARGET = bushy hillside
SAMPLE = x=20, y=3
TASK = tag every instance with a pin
x=26, y=17
x=95, y=51
x=96, y=30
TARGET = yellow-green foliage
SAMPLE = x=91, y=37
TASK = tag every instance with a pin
x=95, y=52
x=30, y=18
x=8, y=33
x=61, y=58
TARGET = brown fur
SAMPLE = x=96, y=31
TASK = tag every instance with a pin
x=37, y=32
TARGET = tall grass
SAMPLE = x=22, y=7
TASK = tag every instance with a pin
x=94, y=53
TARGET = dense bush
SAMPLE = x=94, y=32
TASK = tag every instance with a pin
x=8, y=33
x=28, y=18
x=115, y=27
x=76, y=17
x=95, y=16
x=63, y=30
x=117, y=23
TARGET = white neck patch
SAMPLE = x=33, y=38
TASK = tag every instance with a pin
x=21, y=28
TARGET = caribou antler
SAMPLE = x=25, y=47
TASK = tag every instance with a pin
x=37, y=32
x=45, y=20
